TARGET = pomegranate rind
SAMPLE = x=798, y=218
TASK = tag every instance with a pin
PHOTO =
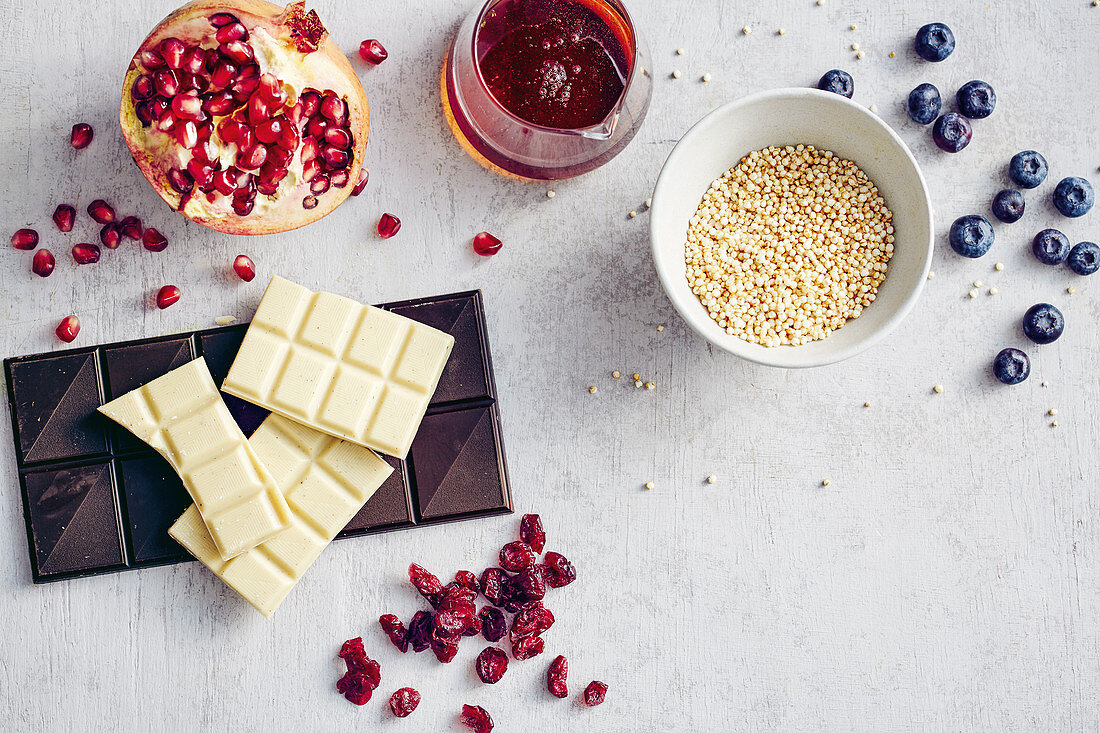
x=329, y=69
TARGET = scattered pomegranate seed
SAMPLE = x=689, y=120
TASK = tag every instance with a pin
x=110, y=235
x=244, y=267
x=491, y=665
x=477, y=719
x=68, y=329
x=556, y=677
x=25, y=239
x=361, y=183
x=85, y=253
x=372, y=51
x=531, y=532
x=64, y=216
x=101, y=212
x=153, y=240
x=82, y=135
x=167, y=296
x=404, y=701
x=595, y=693
x=42, y=264
x=485, y=244
x=131, y=227
x=515, y=556
x=388, y=225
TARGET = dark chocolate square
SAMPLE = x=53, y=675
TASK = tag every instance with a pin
x=74, y=520
x=132, y=366
x=390, y=507
x=219, y=349
x=466, y=375
x=155, y=499
x=54, y=404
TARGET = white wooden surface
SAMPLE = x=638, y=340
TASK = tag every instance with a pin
x=947, y=577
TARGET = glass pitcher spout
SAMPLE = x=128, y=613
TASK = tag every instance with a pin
x=605, y=129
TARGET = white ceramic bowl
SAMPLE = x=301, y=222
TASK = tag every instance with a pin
x=788, y=117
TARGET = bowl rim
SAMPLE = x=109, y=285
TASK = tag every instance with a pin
x=785, y=356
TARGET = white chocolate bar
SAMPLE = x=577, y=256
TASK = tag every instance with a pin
x=325, y=480
x=183, y=417
x=353, y=371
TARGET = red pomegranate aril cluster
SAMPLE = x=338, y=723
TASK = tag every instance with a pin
x=64, y=216
x=189, y=92
x=388, y=225
x=486, y=245
x=404, y=701
x=42, y=263
x=372, y=51
x=167, y=296
x=476, y=718
x=25, y=239
x=244, y=267
x=68, y=329
x=81, y=136
x=85, y=253
x=363, y=673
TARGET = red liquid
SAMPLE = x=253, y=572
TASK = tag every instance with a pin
x=554, y=63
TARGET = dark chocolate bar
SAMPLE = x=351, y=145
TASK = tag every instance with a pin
x=96, y=500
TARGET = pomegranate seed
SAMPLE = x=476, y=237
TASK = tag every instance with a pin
x=477, y=719
x=64, y=216
x=232, y=32
x=181, y=181
x=272, y=90
x=85, y=254
x=310, y=149
x=310, y=100
x=556, y=677
x=338, y=137
x=269, y=131
x=68, y=329
x=166, y=83
x=491, y=665
x=309, y=202
x=101, y=211
x=171, y=50
x=339, y=179
x=166, y=122
x=194, y=60
x=311, y=170
x=42, y=263
x=151, y=60
x=334, y=108
x=388, y=225
x=244, y=267
x=225, y=72
x=267, y=188
x=153, y=240
x=237, y=50
x=201, y=174
x=404, y=701
x=206, y=152
x=81, y=136
x=187, y=133
x=595, y=693
x=335, y=158
x=231, y=130
x=272, y=172
x=220, y=19
x=372, y=52
x=259, y=109
x=143, y=87
x=188, y=106
x=279, y=157
x=144, y=115
x=242, y=206
x=316, y=127
x=131, y=227
x=295, y=113
x=225, y=182
x=319, y=185
x=168, y=295
x=111, y=235
x=485, y=244
x=218, y=104
x=361, y=183
x=25, y=239
x=252, y=158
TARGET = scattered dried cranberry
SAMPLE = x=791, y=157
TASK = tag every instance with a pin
x=556, y=677
x=476, y=718
x=428, y=585
x=25, y=239
x=355, y=686
x=491, y=665
x=529, y=585
x=167, y=296
x=64, y=216
x=81, y=136
x=561, y=573
x=244, y=267
x=485, y=244
x=532, y=533
x=454, y=621
x=493, y=624
x=395, y=630
x=388, y=226
x=594, y=693
x=85, y=253
x=42, y=263
x=372, y=51
x=529, y=647
x=404, y=701
x=492, y=585
x=420, y=631
x=532, y=620
x=515, y=556
x=352, y=649
x=468, y=580
x=68, y=329
x=445, y=649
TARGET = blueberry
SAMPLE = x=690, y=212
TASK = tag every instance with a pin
x=1084, y=258
x=952, y=132
x=976, y=99
x=837, y=81
x=1074, y=196
x=971, y=236
x=1008, y=205
x=1050, y=247
x=1027, y=169
x=1011, y=366
x=934, y=42
x=1043, y=323
x=924, y=104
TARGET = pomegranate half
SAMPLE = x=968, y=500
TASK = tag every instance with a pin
x=245, y=116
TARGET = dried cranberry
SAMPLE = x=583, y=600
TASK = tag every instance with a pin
x=532, y=533
x=468, y=580
x=556, y=677
x=395, y=630
x=513, y=599
x=355, y=686
x=352, y=649
x=474, y=628
x=532, y=620
x=562, y=571
x=454, y=595
x=515, y=556
x=594, y=693
x=491, y=665
x=532, y=646
x=428, y=585
x=492, y=585
x=445, y=650
x=476, y=718
x=420, y=631
x=529, y=585
x=404, y=701
x=454, y=621
x=493, y=624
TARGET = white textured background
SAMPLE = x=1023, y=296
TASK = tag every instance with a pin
x=947, y=578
